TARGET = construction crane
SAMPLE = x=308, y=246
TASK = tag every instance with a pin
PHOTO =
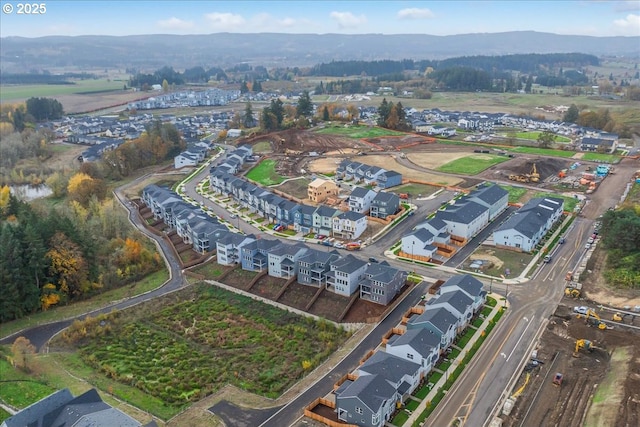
x=592, y=318
x=534, y=176
x=583, y=344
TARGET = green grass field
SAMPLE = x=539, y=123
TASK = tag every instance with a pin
x=543, y=151
x=19, y=389
x=22, y=92
x=533, y=136
x=472, y=165
x=598, y=157
x=515, y=193
x=265, y=173
x=262, y=147
x=359, y=132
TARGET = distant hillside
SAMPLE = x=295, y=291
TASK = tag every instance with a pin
x=19, y=54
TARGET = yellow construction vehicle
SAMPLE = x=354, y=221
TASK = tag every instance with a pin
x=617, y=317
x=583, y=344
x=593, y=319
x=519, y=178
x=572, y=292
x=534, y=176
x=521, y=389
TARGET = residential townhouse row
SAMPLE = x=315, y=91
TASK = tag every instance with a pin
x=456, y=223
x=343, y=275
x=372, y=392
x=523, y=230
x=589, y=139
x=369, y=175
x=321, y=219
x=209, y=97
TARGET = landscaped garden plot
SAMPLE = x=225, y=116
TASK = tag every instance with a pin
x=182, y=348
x=472, y=165
x=265, y=173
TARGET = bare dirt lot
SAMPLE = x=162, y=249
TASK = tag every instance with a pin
x=546, y=167
x=598, y=387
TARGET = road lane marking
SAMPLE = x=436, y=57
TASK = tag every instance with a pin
x=521, y=335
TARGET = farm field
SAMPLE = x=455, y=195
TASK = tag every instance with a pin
x=189, y=345
x=13, y=93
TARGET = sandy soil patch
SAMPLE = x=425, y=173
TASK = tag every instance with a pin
x=434, y=160
x=389, y=162
x=326, y=165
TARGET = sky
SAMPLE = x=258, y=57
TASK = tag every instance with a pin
x=133, y=17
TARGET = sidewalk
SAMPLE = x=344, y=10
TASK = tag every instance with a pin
x=455, y=363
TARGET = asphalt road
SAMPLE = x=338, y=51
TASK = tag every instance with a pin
x=472, y=399
x=40, y=335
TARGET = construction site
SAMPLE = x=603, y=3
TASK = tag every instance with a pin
x=585, y=371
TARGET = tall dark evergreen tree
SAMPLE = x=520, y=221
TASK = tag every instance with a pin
x=277, y=109
x=383, y=112
x=247, y=120
x=325, y=114
x=305, y=106
x=572, y=114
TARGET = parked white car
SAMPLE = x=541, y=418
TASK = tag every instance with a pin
x=580, y=310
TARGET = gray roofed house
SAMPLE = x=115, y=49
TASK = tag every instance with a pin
x=349, y=225
x=417, y=345
x=492, y=196
x=382, y=283
x=360, y=199
x=468, y=284
x=440, y=321
x=254, y=255
x=345, y=275
x=313, y=266
x=465, y=219
x=303, y=218
x=419, y=243
x=384, y=204
x=524, y=229
x=228, y=247
x=323, y=219
x=368, y=401
x=458, y=303
x=395, y=370
x=205, y=234
x=61, y=409
x=283, y=260
x=388, y=179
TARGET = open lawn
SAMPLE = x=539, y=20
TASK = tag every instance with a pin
x=515, y=193
x=19, y=389
x=600, y=157
x=497, y=262
x=262, y=147
x=23, y=92
x=265, y=173
x=533, y=136
x=543, y=151
x=472, y=165
x=359, y=132
x=416, y=190
x=188, y=345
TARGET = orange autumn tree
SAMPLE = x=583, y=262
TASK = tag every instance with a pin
x=68, y=266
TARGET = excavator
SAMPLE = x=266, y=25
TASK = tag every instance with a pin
x=534, y=176
x=583, y=344
x=572, y=292
x=593, y=319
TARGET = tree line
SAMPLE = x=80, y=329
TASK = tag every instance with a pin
x=66, y=253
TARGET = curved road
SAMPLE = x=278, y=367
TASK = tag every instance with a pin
x=40, y=335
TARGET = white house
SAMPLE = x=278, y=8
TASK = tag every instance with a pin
x=349, y=225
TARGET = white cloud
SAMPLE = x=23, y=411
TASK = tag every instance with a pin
x=225, y=21
x=629, y=25
x=415, y=13
x=174, y=23
x=348, y=19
